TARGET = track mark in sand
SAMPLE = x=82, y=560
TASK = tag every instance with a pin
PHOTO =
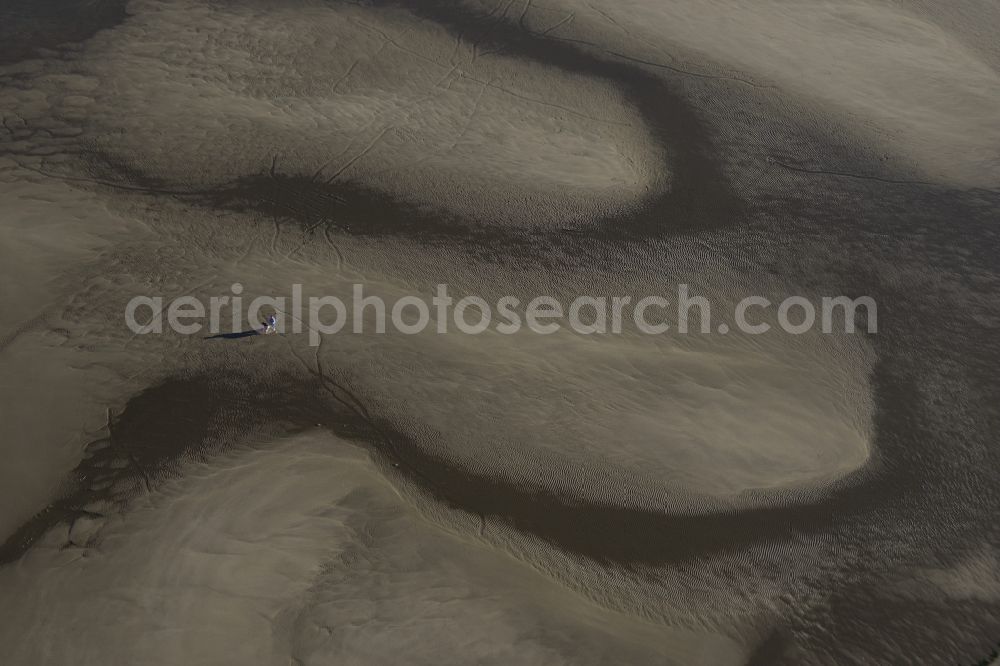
x=535, y=100
x=495, y=8
x=495, y=51
x=361, y=154
x=277, y=233
x=559, y=24
x=437, y=84
x=392, y=41
x=336, y=250
x=458, y=45
x=469, y=119
x=274, y=218
x=389, y=448
x=319, y=171
x=306, y=234
x=344, y=77
x=686, y=72
x=845, y=174
x=246, y=253
x=318, y=222
x=524, y=13
x=610, y=19
x=500, y=3
x=627, y=32
x=570, y=40
x=353, y=404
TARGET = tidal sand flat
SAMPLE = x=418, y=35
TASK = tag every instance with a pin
x=707, y=474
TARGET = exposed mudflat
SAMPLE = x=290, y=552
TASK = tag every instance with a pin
x=709, y=498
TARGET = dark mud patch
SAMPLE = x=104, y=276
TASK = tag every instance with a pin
x=181, y=420
x=29, y=27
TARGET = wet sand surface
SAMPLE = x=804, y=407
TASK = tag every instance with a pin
x=700, y=499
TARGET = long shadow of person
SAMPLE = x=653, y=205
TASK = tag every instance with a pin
x=232, y=336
